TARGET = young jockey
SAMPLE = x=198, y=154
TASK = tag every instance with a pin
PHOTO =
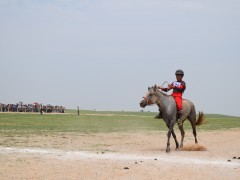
x=178, y=87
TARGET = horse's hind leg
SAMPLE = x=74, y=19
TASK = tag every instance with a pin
x=175, y=138
x=195, y=133
x=182, y=134
x=194, y=130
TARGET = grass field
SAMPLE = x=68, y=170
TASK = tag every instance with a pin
x=99, y=145
x=99, y=122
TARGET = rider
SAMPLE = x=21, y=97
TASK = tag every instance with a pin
x=178, y=87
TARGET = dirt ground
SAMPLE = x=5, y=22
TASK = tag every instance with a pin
x=119, y=156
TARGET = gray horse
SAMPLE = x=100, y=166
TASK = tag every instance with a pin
x=169, y=113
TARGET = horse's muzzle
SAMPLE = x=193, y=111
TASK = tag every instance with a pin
x=143, y=103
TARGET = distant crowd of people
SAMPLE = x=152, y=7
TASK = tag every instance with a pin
x=35, y=107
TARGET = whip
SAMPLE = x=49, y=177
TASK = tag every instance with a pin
x=164, y=83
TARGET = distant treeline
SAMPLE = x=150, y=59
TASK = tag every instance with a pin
x=35, y=107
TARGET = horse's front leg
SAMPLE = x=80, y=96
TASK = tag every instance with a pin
x=175, y=138
x=170, y=130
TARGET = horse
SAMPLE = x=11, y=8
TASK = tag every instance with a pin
x=168, y=107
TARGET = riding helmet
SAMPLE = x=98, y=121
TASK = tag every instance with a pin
x=179, y=72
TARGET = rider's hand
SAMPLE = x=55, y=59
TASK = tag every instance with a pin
x=170, y=86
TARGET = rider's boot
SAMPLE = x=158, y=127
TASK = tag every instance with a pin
x=179, y=116
x=159, y=116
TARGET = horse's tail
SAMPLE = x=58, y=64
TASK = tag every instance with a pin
x=201, y=119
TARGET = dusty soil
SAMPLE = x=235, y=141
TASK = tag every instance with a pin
x=119, y=156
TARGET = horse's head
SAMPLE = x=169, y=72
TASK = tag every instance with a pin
x=150, y=97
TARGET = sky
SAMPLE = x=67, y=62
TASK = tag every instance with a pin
x=103, y=54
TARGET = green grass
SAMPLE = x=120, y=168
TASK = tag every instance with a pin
x=98, y=122
x=112, y=112
x=35, y=123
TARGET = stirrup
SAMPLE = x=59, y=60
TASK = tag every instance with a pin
x=179, y=122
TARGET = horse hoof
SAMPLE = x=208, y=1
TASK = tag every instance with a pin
x=168, y=150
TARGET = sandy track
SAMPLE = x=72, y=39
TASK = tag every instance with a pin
x=104, y=156
x=81, y=155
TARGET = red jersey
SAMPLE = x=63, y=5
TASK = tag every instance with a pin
x=178, y=90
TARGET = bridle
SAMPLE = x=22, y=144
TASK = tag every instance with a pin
x=147, y=99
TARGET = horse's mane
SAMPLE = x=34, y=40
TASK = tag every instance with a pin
x=161, y=92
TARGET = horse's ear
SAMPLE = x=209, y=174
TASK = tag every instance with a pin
x=148, y=88
x=155, y=88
